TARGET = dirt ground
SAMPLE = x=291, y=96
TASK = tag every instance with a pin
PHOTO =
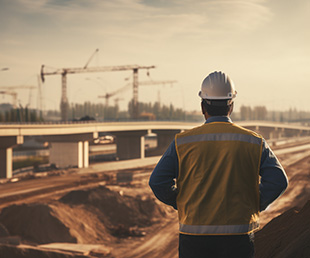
x=67, y=214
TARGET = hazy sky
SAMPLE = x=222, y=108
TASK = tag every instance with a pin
x=264, y=46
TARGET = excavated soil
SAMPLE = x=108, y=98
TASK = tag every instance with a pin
x=10, y=251
x=87, y=212
x=287, y=235
x=96, y=215
x=35, y=223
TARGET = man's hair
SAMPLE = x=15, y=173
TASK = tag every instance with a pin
x=217, y=107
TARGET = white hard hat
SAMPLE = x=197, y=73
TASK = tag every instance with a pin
x=218, y=86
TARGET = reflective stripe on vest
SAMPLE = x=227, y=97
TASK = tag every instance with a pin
x=219, y=137
x=218, y=229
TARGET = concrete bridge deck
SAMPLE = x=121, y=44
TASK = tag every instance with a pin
x=69, y=142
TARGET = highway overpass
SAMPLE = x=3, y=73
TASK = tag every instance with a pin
x=69, y=142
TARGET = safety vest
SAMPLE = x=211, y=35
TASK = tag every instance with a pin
x=218, y=181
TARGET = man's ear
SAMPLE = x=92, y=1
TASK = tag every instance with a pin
x=203, y=108
x=231, y=108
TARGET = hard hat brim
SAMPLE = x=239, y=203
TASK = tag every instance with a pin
x=204, y=96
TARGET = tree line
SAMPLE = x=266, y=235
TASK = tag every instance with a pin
x=147, y=111
x=156, y=111
x=261, y=113
x=256, y=113
x=20, y=115
x=101, y=112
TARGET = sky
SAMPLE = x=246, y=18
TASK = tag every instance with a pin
x=263, y=46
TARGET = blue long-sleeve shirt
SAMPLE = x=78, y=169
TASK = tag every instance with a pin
x=273, y=181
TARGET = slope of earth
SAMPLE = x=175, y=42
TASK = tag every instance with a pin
x=287, y=236
x=94, y=220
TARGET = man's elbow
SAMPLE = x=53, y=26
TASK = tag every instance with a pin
x=281, y=187
x=284, y=183
x=280, y=182
x=151, y=180
x=151, y=184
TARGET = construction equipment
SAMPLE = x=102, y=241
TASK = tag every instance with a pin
x=64, y=71
x=96, y=51
x=13, y=94
x=157, y=83
x=111, y=94
x=116, y=100
x=135, y=98
x=9, y=90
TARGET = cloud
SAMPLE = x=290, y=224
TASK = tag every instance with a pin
x=184, y=37
x=238, y=15
x=147, y=18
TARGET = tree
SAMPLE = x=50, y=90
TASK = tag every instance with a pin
x=260, y=113
x=245, y=113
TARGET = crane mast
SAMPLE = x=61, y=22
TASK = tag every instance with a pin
x=64, y=105
x=139, y=83
x=111, y=94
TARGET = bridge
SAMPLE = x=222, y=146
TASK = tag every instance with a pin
x=69, y=142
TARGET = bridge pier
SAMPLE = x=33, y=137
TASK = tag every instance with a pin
x=304, y=133
x=130, y=144
x=70, y=150
x=276, y=133
x=66, y=154
x=267, y=132
x=288, y=132
x=164, y=138
x=6, y=154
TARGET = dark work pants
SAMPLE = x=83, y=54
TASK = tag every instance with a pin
x=236, y=246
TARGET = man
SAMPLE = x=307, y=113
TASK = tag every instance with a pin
x=219, y=176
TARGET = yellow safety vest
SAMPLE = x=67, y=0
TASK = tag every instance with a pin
x=218, y=180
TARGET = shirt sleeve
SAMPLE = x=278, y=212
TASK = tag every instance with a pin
x=162, y=180
x=273, y=181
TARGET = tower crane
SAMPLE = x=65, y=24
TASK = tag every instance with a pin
x=9, y=90
x=111, y=94
x=13, y=94
x=157, y=83
x=151, y=82
x=116, y=100
x=141, y=83
x=64, y=71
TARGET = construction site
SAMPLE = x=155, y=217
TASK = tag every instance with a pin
x=110, y=110
x=18, y=91
x=106, y=209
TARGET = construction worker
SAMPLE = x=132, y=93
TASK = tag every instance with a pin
x=219, y=176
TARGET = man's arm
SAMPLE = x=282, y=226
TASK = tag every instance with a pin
x=273, y=178
x=162, y=180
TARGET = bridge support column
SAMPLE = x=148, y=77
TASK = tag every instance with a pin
x=164, y=138
x=266, y=132
x=276, y=133
x=66, y=154
x=70, y=150
x=6, y=154
x=130, y=144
